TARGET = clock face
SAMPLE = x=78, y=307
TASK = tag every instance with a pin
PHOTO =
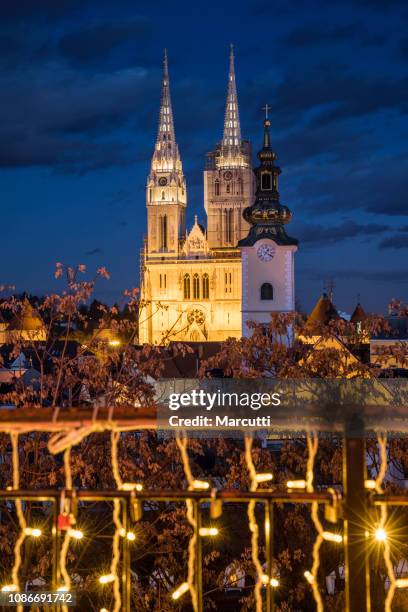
x=266, y=252
x=228, y=175
x=162, y=181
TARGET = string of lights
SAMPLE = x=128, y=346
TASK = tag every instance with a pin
x=253, y=524
x=64, y=441
x=381, y=530
x=192, y=484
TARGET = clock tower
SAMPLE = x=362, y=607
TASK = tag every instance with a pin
x=267, y=251
x=166, y=194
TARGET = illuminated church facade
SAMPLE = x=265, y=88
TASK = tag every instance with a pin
x=204, y=284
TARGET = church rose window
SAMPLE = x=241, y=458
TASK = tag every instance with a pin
x=186, y=286
x=266, y=291
x=206, y=287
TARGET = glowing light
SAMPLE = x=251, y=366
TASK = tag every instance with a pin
x=131, y=486
x=309, y=577
x=296, y=484
x=130, y=536
x=183, y=588
x=401, y=583
x=114, y=342
x=274, y=583
x=9, y=588
x=32, y=531
x=332, y=537
x=104, y=610
x=106, y=578
x=370, y=484
x=380, y=535
x=200, y=485
x=62, y=589
x=265, y=579
x=208, y=531
x=76, y=534
x=263, y=477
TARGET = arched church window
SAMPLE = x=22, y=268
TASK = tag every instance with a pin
x=240, y=187
x=196, y=287
x=266, y=291
x=206, y=287
x=228, y=282
x=217, y=187
x=266, y=180
x=163, y=231
x=228, y=188
x=163, y=195
x=186, y=285
x=229, y=221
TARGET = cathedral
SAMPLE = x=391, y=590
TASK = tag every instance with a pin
x=205, y=283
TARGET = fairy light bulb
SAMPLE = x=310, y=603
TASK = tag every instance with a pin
x=9, y=588
x=33, y=532
x=296, y=484
x=200, y=485
x=106, y=578
x=380, y=534
x=132, y=486
x=208, y=531
x=309, y=577
x=332, y=537
x=76, y=534
x=263, y=477
x=183, y=588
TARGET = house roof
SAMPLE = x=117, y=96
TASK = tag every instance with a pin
x=358, y=315
x=27, y=320
x=323, y=312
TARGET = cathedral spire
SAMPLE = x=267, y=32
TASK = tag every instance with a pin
x=166, y=155
x=232, y=129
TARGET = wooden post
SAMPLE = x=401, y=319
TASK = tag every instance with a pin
x=356, y=521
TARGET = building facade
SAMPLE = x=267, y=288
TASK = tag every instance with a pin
x=193, y=282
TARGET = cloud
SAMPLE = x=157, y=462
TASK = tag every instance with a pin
x=97, y=42
x=394, y=275
x=57, y=122
x=95, y=251
x=319, y=235
x=24, y=10
x=396, y=241
x=377, y=186
x=313, y=35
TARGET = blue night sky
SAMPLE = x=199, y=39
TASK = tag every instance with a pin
x=80, y=89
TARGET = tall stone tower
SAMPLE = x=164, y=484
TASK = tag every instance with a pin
x=228, y=177
x=267, y=251
x=166, y=195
